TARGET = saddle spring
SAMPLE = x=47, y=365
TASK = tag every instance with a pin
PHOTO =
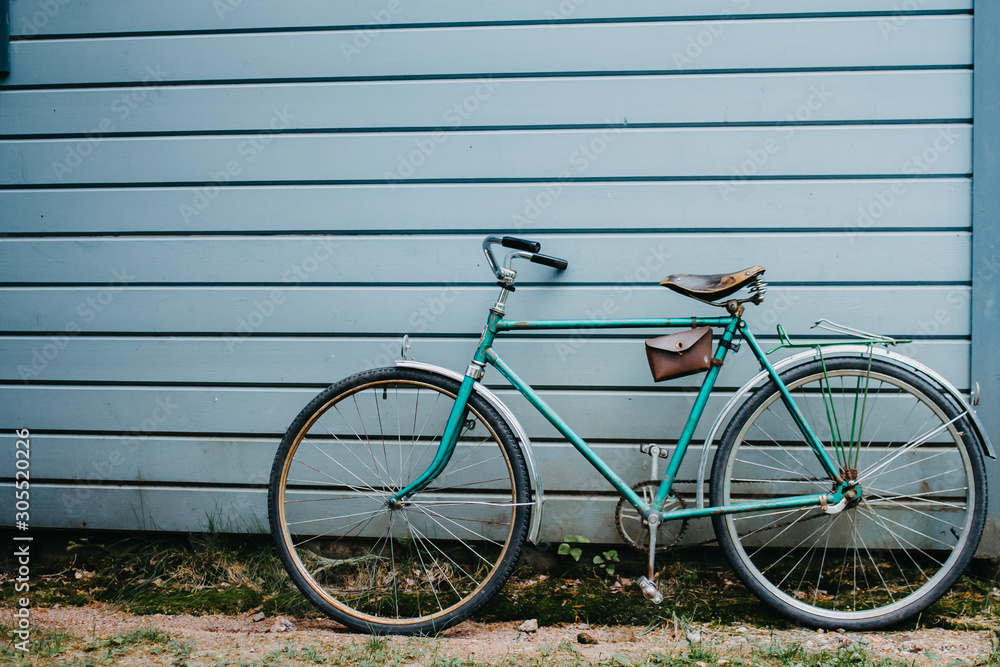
x=757, y=290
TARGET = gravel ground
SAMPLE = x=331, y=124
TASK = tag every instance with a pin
x=219, y=640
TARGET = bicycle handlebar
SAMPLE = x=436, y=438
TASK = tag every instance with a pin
x=520, y=244
x=521, y=248
x=554, y=262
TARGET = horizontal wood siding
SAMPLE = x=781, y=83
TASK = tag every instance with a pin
x=208, y=212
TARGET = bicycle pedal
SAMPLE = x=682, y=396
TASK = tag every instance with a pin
x=649, y=591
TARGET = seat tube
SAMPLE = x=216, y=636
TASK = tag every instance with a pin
x=673, y=466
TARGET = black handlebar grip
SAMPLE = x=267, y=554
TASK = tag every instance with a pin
x=554, y=262
x=520, y=244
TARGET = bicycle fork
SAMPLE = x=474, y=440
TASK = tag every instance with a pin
x=456, y=420
x=445, y=449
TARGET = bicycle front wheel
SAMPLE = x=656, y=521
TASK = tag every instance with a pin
x=890, y=552
x=412, y=568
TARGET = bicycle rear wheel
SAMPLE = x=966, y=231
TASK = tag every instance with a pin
x=426, y=564
x=892, y=551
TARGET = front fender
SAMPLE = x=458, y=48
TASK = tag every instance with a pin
x=846, y=350
x=522, y=437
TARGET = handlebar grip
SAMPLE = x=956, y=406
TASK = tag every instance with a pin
x=554, y=262
x=520, y=244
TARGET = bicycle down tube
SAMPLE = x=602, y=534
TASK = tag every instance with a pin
x=733, y=324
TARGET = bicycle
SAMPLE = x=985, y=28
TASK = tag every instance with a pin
x=847, y=490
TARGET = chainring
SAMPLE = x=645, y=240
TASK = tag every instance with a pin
x=635, y=533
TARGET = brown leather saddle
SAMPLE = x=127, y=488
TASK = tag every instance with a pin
x=711, y=288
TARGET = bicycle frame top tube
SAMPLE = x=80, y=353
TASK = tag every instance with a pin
x=670, y=322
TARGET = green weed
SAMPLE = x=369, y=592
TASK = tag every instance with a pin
x=222, y=573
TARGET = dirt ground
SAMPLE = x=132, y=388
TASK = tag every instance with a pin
x=248, y=640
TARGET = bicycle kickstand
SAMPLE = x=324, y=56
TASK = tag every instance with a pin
x=646, y=584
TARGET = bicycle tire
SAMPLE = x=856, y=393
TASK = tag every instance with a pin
x=897, y=548
x=414, y=569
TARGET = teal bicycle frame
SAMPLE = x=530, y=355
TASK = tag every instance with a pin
x=731, y=325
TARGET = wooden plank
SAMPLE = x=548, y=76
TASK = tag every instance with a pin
x=630, y=416
x=70, y=17
x=242, y=311
x=226, y=510
x=148, y=508
x=93, y=460
x=268, y=411
x=617, y=259
x=559, y=48
x=712, y=98
x=186, y=509
x=495, y=208
x=567, y=361
x=90, y=459
x=729, y=153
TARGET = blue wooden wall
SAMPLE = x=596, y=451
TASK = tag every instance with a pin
x=209, y=211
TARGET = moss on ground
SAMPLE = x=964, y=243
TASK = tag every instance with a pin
x=227, y=574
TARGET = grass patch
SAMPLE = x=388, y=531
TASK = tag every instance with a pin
x=233, y=574
x=204, y=574
x=46, y=645
x=691, y=587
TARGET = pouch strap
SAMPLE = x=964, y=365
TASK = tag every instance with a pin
x=733, y=347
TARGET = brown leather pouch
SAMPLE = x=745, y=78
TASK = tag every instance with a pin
x=680, y=354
